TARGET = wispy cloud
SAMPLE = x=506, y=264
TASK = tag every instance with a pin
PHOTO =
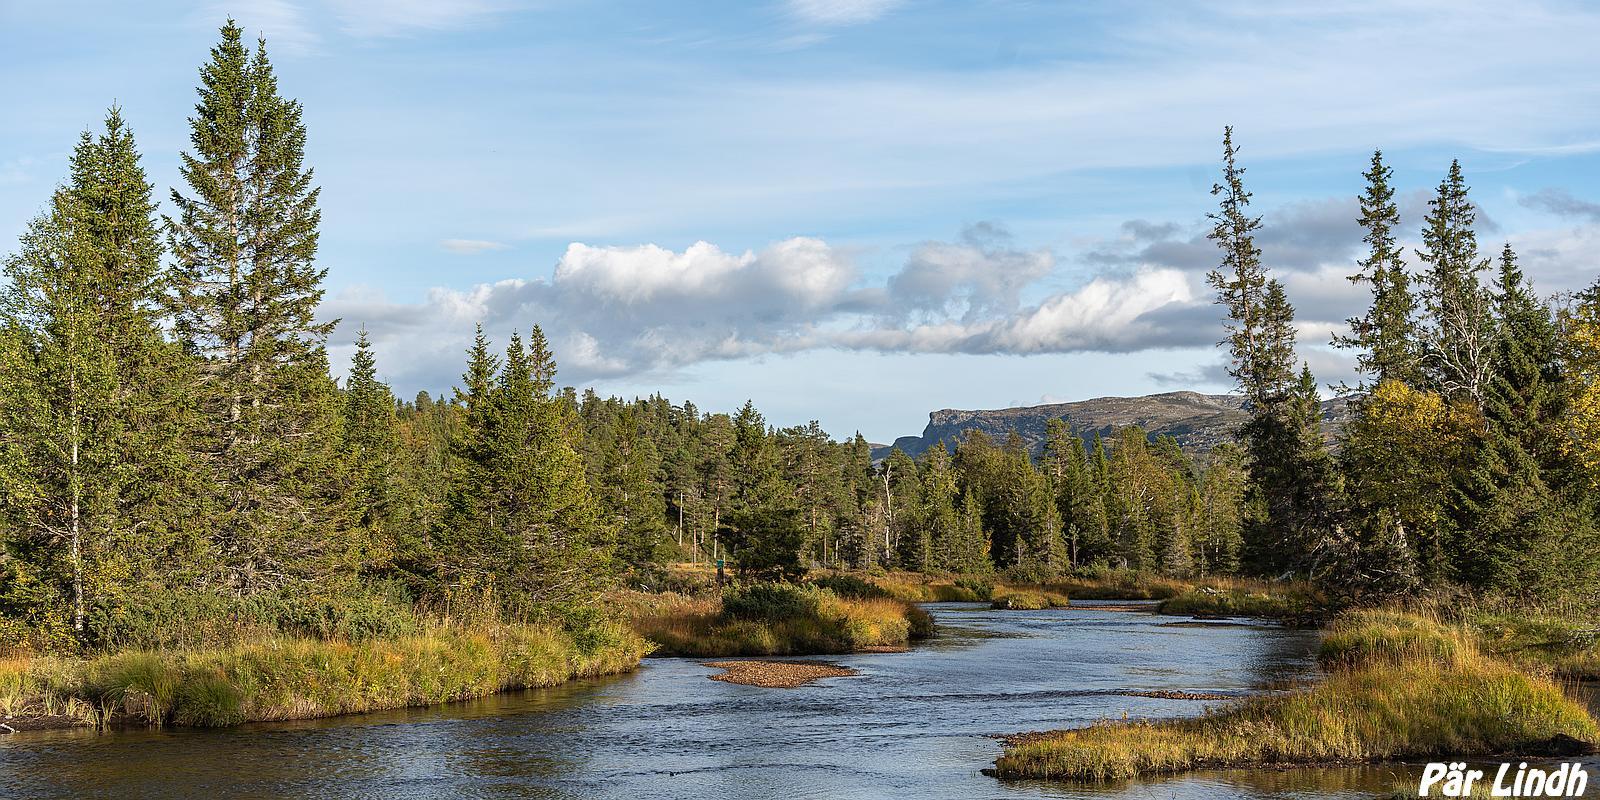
x=839, y=12
x=283, y=23
x=378, y=18
x=1561, y=203
x=471, y=247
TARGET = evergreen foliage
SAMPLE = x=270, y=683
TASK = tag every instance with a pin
x=173, y=448
x=246, y=284
x=1385, y=337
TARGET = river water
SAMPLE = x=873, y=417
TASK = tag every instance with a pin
x=911, y=725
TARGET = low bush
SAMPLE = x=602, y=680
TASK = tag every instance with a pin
x=1565, y=641
x=1368, y=637
x=1278, y=602
x=850, y=586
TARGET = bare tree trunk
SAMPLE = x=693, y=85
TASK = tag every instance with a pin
x=77, y=536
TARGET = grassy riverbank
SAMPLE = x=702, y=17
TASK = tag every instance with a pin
x=1234, y=597
x=1400, y=686
x=773, y=620
x=1028, y=599
x=283, y=678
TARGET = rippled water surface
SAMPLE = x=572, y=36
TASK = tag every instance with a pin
x=914, y=725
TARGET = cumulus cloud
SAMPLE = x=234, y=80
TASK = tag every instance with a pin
x=614, y=311
x=980, y=275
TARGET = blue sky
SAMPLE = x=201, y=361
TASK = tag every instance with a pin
x=855, y=211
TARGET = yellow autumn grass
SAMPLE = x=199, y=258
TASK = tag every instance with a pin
x=281, y=678
x=1401, y=686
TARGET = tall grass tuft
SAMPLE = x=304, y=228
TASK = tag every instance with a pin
x=775, y=619
x=1402, y=686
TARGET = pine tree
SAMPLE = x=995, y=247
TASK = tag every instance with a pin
x=1459, y=335
x=1385, y=336
x=89, y=417
x=247, y=288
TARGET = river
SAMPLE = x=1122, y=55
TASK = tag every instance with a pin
x=911, y=725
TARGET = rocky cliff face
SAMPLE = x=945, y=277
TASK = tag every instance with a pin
x=1198, y=421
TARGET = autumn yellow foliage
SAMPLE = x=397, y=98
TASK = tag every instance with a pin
x=1583, y=336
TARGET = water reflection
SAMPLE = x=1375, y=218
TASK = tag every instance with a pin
x=915, y=724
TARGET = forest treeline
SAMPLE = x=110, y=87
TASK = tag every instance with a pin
x=173, y=447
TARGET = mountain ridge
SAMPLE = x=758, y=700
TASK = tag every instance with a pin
x=1199, y=422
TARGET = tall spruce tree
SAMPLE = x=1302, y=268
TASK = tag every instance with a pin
x=1241, y=284
x=1459, y=334
x=247, y=287
x=1385, y=337
x=90, y=419
x=1287, y=460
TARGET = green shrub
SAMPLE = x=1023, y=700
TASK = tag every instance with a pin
x=771, y=601
x=850, y=586
x=982, y=591
x=196, y=619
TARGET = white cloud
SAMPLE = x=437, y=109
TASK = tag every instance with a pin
x=839, y=12
x=470, y=247
x=613, y=311
x=649, y=310
x=979, y=276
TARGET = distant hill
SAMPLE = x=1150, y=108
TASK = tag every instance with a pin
x=1198, y=421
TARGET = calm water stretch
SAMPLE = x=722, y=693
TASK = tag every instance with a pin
x=911, y=725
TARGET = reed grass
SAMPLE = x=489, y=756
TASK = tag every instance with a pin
x=1402, y=686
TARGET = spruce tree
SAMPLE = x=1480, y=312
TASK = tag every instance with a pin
x=1459, y=334
x=1385, y=337
x=940, y=516
x=523, y=523
x=1512, y=515
x=90, y=418
x=247, y=287
x=370, y=450
x=1241, y=285
x=630, y=490
x=1289, y=469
